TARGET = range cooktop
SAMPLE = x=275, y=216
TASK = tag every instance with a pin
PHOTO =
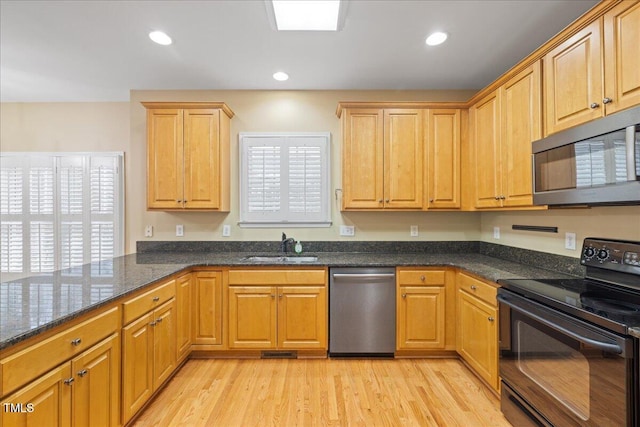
x=610, y=294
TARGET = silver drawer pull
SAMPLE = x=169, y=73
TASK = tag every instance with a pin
x=491, y=318
x=82, y=373
x=404, y=295
x=156, y=299
x=76, y=342
x=152, y=323
x=474, y=287
x=159, y=320
x=68, y=381
x=422, y=278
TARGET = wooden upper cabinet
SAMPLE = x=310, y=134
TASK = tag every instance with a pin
x=521, y=125
x=188, y=156
x=382, y=158
x=403, y=153
x=622, y=56
x=573, y=80
x=485, y=128
x=362, y=162
x=504, y=124
x=443, y=158
x=576, y=91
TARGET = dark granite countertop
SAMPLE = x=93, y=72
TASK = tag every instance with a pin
x=33, y=305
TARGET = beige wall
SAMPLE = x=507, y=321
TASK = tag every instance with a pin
x=617, y=222
x=121, y=127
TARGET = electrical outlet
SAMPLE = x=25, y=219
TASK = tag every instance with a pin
x=179, y=230
x=570, y=241
x=413, y=231
x=347, y=230
x=496, y=233
x=226, y=230
x=148, y=231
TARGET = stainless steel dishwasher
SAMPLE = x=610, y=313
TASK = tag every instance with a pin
x=362, y=312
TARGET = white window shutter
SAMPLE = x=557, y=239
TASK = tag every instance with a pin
x=11, y=247
x=284, y=179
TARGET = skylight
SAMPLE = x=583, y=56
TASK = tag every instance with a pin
x=306, y=15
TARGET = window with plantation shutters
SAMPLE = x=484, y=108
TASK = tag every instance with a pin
x=59, y=211
x=284, y=179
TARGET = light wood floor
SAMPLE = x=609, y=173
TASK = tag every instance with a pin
x=324, y=392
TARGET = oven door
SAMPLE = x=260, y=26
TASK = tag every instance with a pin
x=569, y=372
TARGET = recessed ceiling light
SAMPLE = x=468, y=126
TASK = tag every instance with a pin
x=306, y=15
x=281, y=76
x=160, y=38
x=436, y=38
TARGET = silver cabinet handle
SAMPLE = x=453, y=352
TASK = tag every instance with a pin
x=273, y=295
x=607, y=101
x=594, y=105
x=152, y=323
x=474, y=287
x=159, y=320
x=404, y=295
x=156, y=299
x=386, y=201
x=422, y=278
x=280, y=296
x=82, y=373
x=491, y=318
x=68, y=381
x=76, y=342
x=380, y=201
x=430, y=200
x=365, y=275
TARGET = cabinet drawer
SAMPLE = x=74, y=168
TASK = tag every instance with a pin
x=421, y=277
x=277, y=277
x=37, y=359
x=139, y=305
x=482, y=290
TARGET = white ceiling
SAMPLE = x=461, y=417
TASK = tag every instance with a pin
x=99, y=50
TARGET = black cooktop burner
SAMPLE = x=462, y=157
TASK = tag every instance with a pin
x=609, y=306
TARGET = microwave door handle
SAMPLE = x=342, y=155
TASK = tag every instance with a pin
x=630, y=139
x=615, y=348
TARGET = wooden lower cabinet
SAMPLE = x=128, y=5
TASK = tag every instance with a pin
x=207, y=308
x=148, y=356
x=278, y=309
x=477, y=327
x=425, y=306
x=82, y=392
x=184, y=323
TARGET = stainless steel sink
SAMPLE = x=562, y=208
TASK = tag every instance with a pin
x=281, y=258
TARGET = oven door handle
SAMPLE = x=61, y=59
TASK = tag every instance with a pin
x=614, y=348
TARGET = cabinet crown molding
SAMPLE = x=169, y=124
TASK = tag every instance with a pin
x=190, y=105
x=398, y=104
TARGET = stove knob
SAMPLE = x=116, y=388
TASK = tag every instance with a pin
x=589, y=253
x=603, y=254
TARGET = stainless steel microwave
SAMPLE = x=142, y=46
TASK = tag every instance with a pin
x=596, y=163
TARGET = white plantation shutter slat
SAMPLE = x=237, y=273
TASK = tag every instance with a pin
x=42, y=246
x=11, y=247
x=11, y=192
x=41, y=190
x=284, y=179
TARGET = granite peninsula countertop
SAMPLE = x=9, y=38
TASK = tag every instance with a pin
x=35, y=304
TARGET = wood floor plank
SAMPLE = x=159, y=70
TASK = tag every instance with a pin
x=325, y=392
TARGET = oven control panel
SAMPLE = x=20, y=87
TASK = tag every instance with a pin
x=616, y=255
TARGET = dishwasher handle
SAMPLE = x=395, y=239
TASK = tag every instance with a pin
x=364, y=275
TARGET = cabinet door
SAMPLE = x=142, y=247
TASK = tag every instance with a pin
x=622, y=56
x=164, y=159
x=208, y=308
x=362, y=163
x=164, y=337
x=403, y=157
x=202, y=159
x=96, y=390
x=252, y=317
x=477, y=336
x=44, y=402
x=573, y=80
x=443, y=159
x=421, y=314
x=137, y=365
x=485, y=122
x=184, y=310
x=520, y=127
x=302, y=317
